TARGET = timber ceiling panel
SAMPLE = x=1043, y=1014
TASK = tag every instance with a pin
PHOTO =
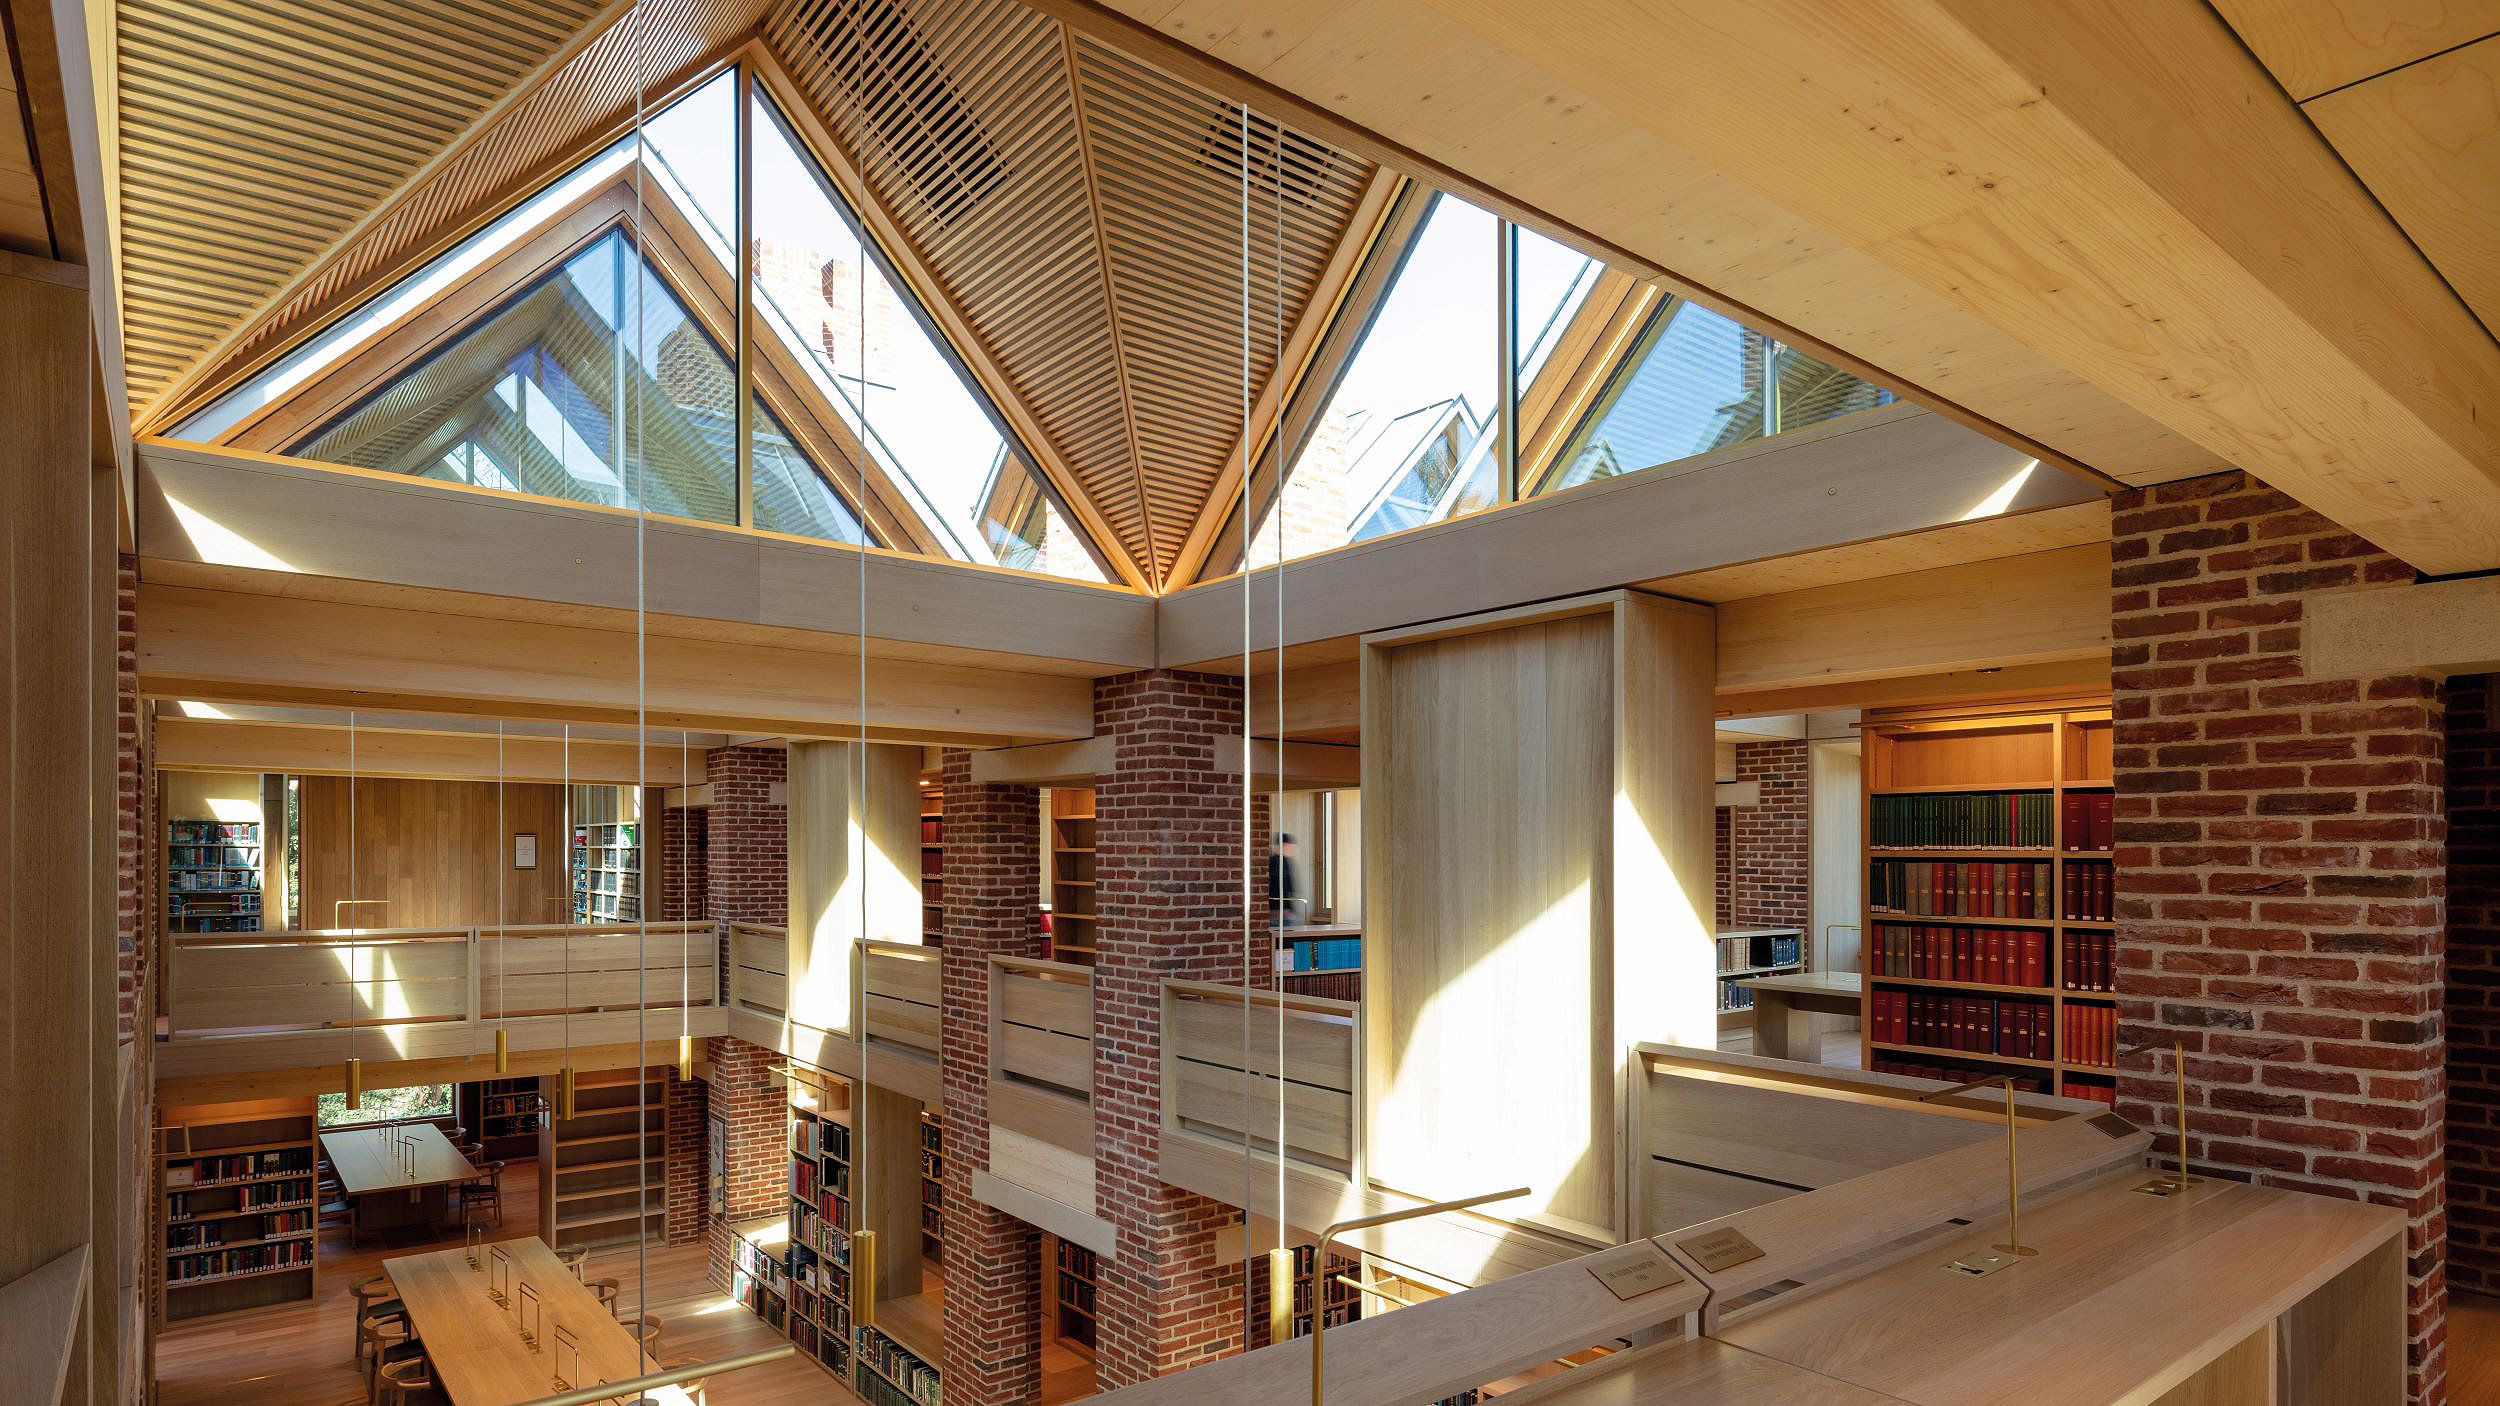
x=255, y=135
x=1083, y=213
x=2316, y=46
x=309, y=216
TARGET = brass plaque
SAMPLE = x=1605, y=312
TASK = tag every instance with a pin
x=2114, y=1125
x=1637, y=1270
x=1720, y=1249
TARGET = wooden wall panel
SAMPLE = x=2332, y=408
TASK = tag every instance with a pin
x=433, y=851
x=1487, y=816
x=826, y=865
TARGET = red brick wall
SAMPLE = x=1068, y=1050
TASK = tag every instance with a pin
x=2473, y=987
x=689, y=1157
x=1723, y=850
x=994, y=1301
x=755, y=1112
x=747, y=835
x=2281, y=850
x=1768, y=855
x=1170, y=867
x=685, y=883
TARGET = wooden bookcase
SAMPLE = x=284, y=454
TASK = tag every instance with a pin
x=932, y=864
x=237, y=1206
x=820, y=1235
x=212, y=875
x=1068, y=1280
x=1960, y=787
x=606, y=854
x=1072, y=913
x=610, y=1159
x=932, y=1187
x=505, y=1115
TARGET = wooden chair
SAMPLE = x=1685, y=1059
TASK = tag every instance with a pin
x=406, y=1382
x=392, y=1340
x=485, y=1191
x=646, y=1330
x=607, y=1290
x=575, y=1258
x=691, y=1386
x=375, y=1299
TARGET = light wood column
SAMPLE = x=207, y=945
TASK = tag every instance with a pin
x=854, y=820
x=58, y=966
x=886, y=1141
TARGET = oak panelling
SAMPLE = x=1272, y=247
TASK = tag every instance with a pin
x=300, y=749
x=2312, y=46
x=1953, y=544
x=1222, y=1047
x=1043, y=1023
x=438, y=853
x=758, y=967
x=389, y=979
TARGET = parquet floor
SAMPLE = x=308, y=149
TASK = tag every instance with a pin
x=2473, y=1350
x=298, y=1354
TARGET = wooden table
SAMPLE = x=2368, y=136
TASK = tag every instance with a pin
x=2232, y=1287
x=475, y=1344
x=1689, y=1373
x=389, y=1190
x=1788, y=1010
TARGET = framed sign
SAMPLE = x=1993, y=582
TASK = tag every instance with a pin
x=525, y=850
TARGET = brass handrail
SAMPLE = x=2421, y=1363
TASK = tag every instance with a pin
x=1319, y=1263
x=670, y=1376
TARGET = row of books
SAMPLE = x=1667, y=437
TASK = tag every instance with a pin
x=218, y=1264
x=1733, y=997
x=1738, y=954
x=1992, y=956
x=932, y=831
x=2090, y=892
x=2010, y=1026
x=2086, y=960
x=251, y=1196
x=821, y=1137
x=2092, y=1035
x=207, y=1171
x=1958, y=889
x=215, y=880
x=899, y=1366
x=1969, y=820
x=214, y=856
x=212, y=832
x=1953, y=1074
x=2098, y=1093
x=209, y=1234
x=810, y=1179
x=2085, y=822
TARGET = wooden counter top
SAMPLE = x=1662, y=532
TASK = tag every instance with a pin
x=2129, y=1296
x=476, y=1345
x=1702, y=1370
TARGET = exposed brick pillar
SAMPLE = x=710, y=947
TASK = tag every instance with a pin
x=2281, y=854
x=747, y=852
x=2473, y=988
x=685, y=890
x=1767, y=851
x=994, y=1302
x=1169, y=868
x=689, y=1158
x=755, y=1114
x=1723, y=852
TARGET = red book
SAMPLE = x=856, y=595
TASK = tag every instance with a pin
x=2103, y=832
x=2034, y=951
x=2074, y=820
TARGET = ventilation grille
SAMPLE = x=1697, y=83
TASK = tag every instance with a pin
x=1284, y=165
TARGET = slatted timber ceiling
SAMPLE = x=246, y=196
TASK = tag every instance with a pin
x=1083, y=214
x=308, y=215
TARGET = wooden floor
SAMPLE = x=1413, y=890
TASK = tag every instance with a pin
x=2473, y=1350
x=298, y=1354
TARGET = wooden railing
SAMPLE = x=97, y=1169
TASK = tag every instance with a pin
x=270, y=982
x=759, y=968
x=1306, y=1074
x=1042, y=1024
x=899, y=995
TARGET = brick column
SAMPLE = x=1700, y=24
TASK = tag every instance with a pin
x=747, y=850
x=1766, y=851
x=1168, y=868
x=2281, y=848
x=756, y=1112
x=2473, y=990
x=994, y=1292
x=689, y=1157
x=682, y=837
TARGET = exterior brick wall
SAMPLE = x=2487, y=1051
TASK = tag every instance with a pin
x=2281, y=854
x=1169, y=867
x=2473, y=988
x=1767, y=849
x=994, y=1297
x=747, y=835
x=755, y=1113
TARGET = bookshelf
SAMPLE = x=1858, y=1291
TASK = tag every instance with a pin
x=932, y=1187
x=1988, y=920
x=606, y=854
x=610, y=1159
x=212, y=876
x=819, y=1240
x=505, y=1114
x=1344, y=1302
x=1068, y=1270
x=237, y=1206
x=1759, y=952
x=932, y=864
x=1072, y=874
